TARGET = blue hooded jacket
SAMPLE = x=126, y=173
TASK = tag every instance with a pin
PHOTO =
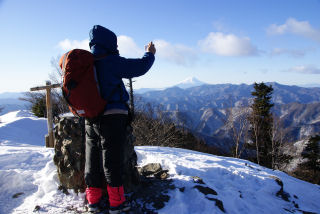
x=112, y=68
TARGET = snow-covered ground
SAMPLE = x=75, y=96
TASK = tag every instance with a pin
x=28, y=178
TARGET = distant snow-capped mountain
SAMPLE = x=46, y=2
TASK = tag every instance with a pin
x=9, y=101
x=11, y=95
x=311, y=85
x=189, y=83
x=184, y=84
x=145, y=90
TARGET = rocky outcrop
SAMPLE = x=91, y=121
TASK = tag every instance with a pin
x=70, y=153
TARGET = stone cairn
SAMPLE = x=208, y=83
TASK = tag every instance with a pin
x=70, y=153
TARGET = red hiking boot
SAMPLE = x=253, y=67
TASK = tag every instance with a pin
x=93, y=196
x=117, y=200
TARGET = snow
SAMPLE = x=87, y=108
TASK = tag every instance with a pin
x=28, y=172
x=190, y=82
x=229, y=177
x=23, y=128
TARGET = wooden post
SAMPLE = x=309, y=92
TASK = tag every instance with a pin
x=49, y=115
x=48, y=88
x=131, y=98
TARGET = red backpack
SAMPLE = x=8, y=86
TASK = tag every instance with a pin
x=80, y=86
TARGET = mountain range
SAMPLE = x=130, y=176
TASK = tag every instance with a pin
x=203, y=108
x=9, y=101
x=184, y=84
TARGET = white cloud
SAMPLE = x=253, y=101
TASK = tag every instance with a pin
x=292, y=53
x=301, y=28
x=128, y=48
x=305, y=69
x=126, y=45
x=176, y=53
x=67, y=44
x=179, y=54
x=227, y=45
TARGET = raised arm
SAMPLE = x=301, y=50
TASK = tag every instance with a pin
x=129, y=68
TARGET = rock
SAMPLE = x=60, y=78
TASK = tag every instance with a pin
x=152, y=194
x=131, y=176
x=70, y=153
x=219, y=204
x=205, y=190
x=151, y=169
x=36, y=208
x=163, y=174
x=17, y=195
x=182, y=189
x=197, y=180
x=281, y=193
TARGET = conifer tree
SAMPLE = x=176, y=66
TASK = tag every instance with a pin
x=312, y=154
x=37, y=102
x=261, y=123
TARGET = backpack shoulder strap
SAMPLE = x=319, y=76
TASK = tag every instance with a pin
x=64, y=62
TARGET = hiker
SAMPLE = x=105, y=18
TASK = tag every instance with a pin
x=105, y=135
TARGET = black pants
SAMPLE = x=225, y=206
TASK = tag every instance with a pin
x=105, y=139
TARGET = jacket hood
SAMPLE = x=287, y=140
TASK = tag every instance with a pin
x=103, y=40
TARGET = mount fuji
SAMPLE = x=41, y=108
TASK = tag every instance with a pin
x=189, y=83
x=184, y=84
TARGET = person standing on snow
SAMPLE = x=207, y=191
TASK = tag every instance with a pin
x=105, y=136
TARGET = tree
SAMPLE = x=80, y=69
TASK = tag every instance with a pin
x=183, y=120
x=237, y=120
x=56, y=77
x=37, y=102
x=278, y=157
x=56, y=74
x=261, y=123
x=309, y=169
x=312, y=154
x=153, y=126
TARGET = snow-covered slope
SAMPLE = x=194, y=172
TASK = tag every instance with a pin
x=23, y=128
x=9, y=101
x=28, y=178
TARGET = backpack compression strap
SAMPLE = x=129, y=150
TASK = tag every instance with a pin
x=64, y=62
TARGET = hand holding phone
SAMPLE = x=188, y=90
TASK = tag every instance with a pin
x=151, y=48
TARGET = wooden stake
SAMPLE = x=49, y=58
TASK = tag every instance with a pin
x=131, y=98
x=48, y=88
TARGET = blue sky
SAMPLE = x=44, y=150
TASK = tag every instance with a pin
x=217, y=41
